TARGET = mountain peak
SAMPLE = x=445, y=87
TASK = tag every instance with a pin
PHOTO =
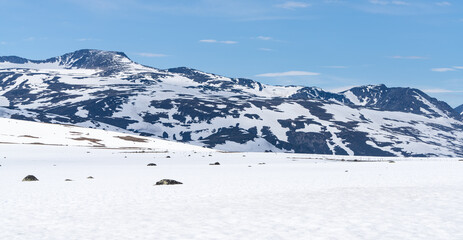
x=92, y=59
x=84, y=58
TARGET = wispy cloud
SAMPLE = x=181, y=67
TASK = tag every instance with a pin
x=401, y=7
x=228, y=42
x=447, y=69
x=443, y=4
x=288, y=74
x=440, y=90
x=264, y=38
x=409, y=57
x=293, y=5
x=217, y=41
x=3, y=43
x=152, y=55
x=32, y=39
x=86, y=39
x=443, y=69
x=266, y=49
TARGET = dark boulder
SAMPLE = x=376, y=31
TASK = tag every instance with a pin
x=30, y=178
x=151, y=165
x=216, y=163
x=168, y=182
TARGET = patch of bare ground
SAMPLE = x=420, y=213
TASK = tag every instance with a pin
x=46, y=144
x=28, y=136
x=132, y=138
x=92, y=140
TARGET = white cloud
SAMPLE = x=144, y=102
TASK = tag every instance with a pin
x=409, y=57
x=447, y=69
x=216, y=41
x=266, y=49
x=208, y=41
x=228, y=42
x=440, y=90
x=30, y=39
x=293, y=5
x=151, y=54
x=288, y=74
x=400, y=3
x=264, y=38
x=443, y=4
x=443, y=69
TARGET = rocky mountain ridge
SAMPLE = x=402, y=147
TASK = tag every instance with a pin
x=107, y=90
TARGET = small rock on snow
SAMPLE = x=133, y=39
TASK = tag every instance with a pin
x=30, y=178
x=168, y=182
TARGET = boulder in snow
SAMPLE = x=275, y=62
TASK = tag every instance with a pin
x=168, y=182
x=30, y=178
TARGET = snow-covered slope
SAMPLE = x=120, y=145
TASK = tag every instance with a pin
x=106, y=90
x=25, y=132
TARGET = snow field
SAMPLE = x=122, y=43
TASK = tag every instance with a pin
x=292, y=196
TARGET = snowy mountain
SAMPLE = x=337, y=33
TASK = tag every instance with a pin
x=107, y=90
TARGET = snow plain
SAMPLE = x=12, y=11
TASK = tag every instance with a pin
x=291, y=196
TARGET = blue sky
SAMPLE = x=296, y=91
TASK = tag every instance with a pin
x=332, y=44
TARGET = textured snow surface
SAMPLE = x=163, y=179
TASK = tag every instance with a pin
x=292, y=196
x=25, y=132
